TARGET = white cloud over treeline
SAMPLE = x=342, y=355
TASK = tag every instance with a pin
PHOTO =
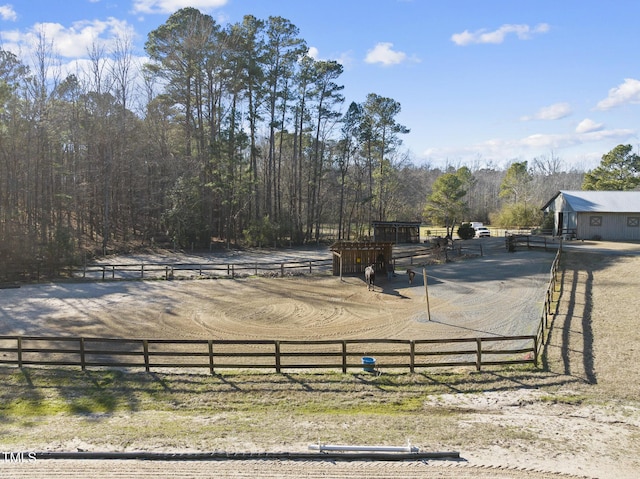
x=69, y=42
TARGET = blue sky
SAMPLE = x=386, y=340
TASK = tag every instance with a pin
x=481, y=82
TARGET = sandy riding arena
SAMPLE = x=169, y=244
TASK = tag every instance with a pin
x=497, y=294
x=577, y=416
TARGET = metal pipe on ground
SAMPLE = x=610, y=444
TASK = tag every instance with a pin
x=346, y=448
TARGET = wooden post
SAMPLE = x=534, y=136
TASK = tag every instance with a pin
x=479, y=354
x=277, y=345
x=426, y=292
x=211, y=370
x=412, y=355
x=142, y=271
x=83, y=364
x=19, y=352
x=344, y=357
x=282, y=270
x=145, y=349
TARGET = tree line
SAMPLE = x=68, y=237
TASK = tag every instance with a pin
x=233, y=133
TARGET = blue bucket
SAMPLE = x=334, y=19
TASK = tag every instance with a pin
x=369, y=364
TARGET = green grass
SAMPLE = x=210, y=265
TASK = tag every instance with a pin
x=42, y=392
x=115, y=409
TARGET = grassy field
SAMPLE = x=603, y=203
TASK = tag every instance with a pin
x=256, y=412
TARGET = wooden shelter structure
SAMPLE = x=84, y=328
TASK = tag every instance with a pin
x=351, y=257
x=396, y=231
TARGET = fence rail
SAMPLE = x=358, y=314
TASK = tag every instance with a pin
x=266, y=354
x=131, y=271
x=171, y=270
x=532, y=241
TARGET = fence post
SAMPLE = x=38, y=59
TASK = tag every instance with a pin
x=535, y=350
x=19, y=352
x=344, y=356
x=211, y=357
x=412, y=361
x=277, y=346
x=282, y=270
x=82, y=356
x=113, y=272
x=310, y=271
x=479, y=354
x=145, y=348
x=142, y=271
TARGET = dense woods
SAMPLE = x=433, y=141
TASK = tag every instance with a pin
x=232, y=133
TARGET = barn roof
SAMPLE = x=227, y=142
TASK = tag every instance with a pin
x=600, y=201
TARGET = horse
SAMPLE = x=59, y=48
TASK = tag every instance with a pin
x=370, y=277
x=412, y=274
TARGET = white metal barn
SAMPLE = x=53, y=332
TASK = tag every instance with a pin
x=596, y=215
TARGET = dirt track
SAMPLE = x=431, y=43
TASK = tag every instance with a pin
x=497, y=294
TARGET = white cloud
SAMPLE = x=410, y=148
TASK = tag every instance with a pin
x=345, y=58
x=171, y=6
x=523, y=32
x=8, y=13
x=384, y=53
x=589, y=126
x=505, y=149
x=556, y=111
x=628, y=92
x=72, y=42
x=313, y=53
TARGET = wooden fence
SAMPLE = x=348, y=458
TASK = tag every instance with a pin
x=550, y=306
x=172, y=270
x=533, y=241
x=286, y=354
x=138, y=271
x=267, y=354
